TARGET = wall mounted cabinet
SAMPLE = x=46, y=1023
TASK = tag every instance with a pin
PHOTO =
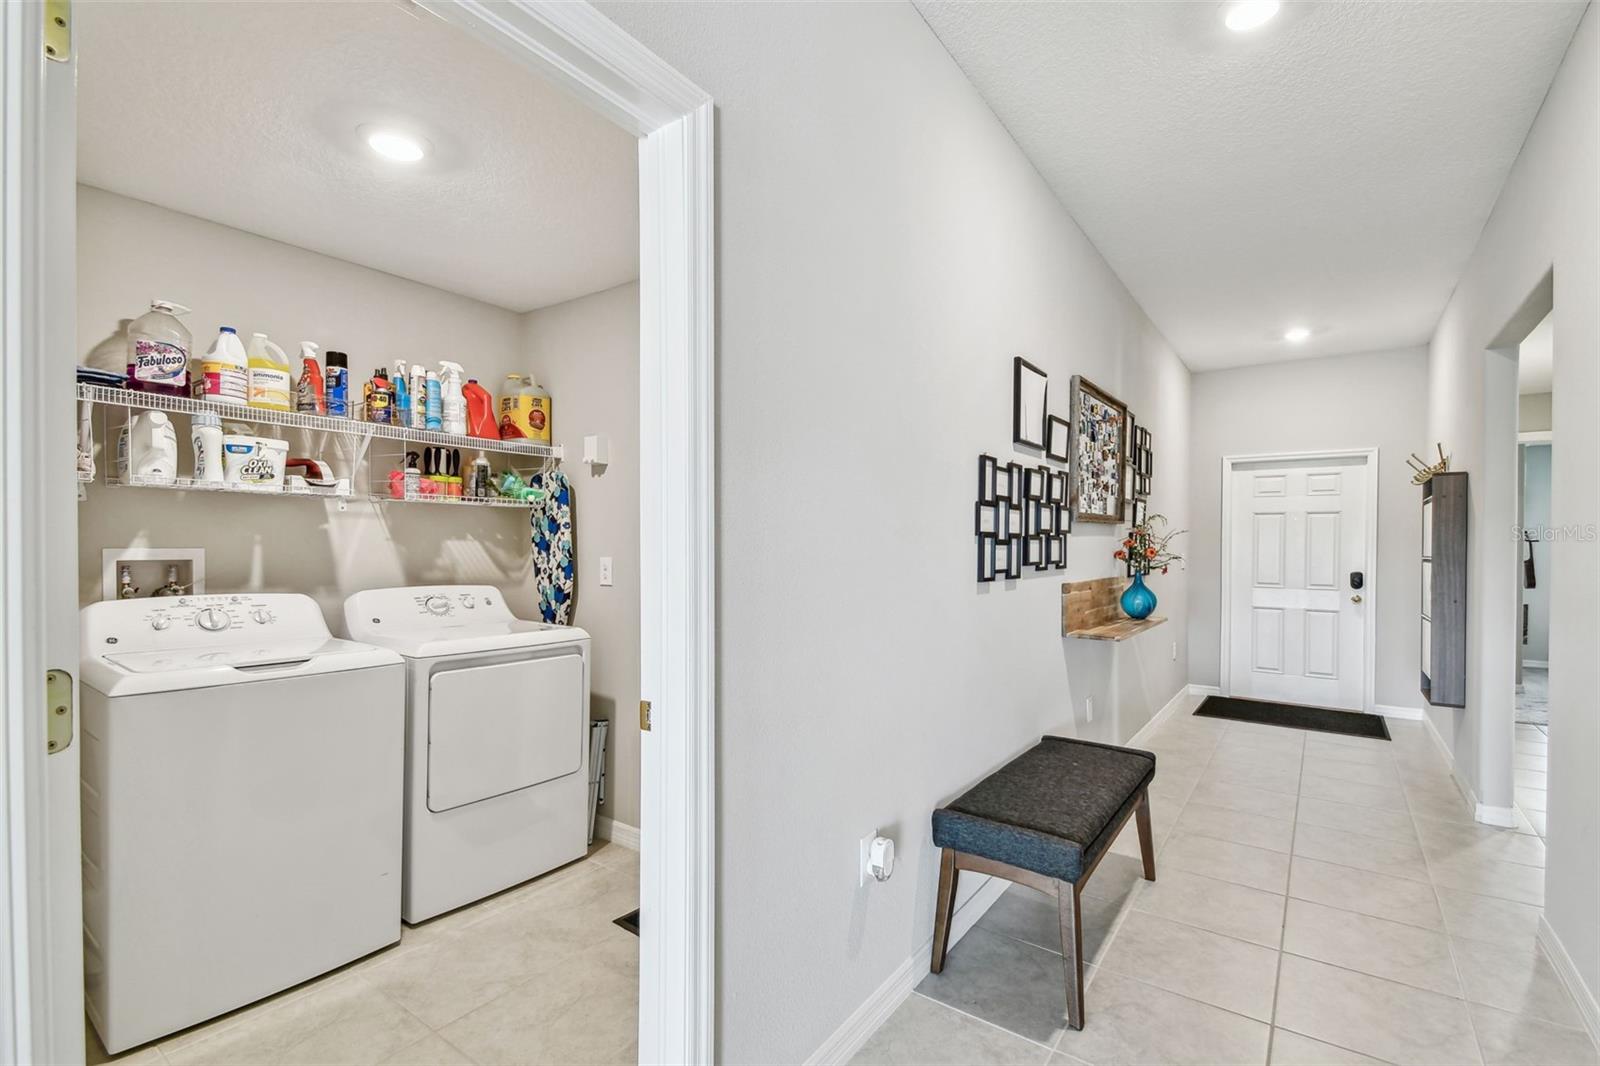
x=1444, y=590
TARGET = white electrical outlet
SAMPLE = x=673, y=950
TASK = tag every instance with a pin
x=605, y=570
x=864, y=857
x=1088, y=707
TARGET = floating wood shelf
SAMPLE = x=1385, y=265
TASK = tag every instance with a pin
x=1092, y=610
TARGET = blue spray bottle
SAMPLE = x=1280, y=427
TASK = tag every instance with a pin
x=435, y=403
x=402, y=394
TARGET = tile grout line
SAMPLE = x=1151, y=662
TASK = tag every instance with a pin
x=1048, y=1049
x=1283, y=925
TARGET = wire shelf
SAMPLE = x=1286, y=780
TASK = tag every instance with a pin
x=351, y=427
x=189, y=484
x=455, y=501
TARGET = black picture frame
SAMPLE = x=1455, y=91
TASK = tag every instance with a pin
x=1013, y=569
x=988, y=471
x=1015, y=483
x=1030, y=396
x=986, y=552
x=1141, y=511
x=1058, y=438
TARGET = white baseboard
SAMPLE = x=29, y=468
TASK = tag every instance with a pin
x=1390, y=710
x=1582, y=995
x=857, y=1029
x=619, y=833
x=1504, y=817
x=1204, y=690
x=1167, y=710
x=1539, y=663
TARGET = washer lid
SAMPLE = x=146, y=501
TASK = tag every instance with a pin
x=133, y=673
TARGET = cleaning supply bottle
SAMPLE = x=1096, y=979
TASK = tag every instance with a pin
x=309, y=398
x=402, y=394
x=524, y=410
x=224, y=370
x=205, y=433
x=453, y=402
x=271, y=379
x=482, y=478
x=147, y=450
x=336, y=384
x=435, y=403
x=480, y=410
x=419, y=396
x=158, y=350
x=378, y=397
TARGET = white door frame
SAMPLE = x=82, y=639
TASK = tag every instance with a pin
x=576, y=47
x=1369, y=700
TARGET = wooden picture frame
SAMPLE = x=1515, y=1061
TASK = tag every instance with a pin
x=1099, y=453
x=1030, y=393
x=1058, y=439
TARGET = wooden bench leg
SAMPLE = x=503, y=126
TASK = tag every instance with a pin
x=946, y=907
x=1072, y=950
x=1146, y=845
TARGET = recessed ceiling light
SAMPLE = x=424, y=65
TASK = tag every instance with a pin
x=396, y=147
x=1297, y=335
x=1242, y=16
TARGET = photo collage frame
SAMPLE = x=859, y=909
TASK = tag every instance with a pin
x=1021, y=518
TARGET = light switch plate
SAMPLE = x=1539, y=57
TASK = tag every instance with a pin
x=605, y=570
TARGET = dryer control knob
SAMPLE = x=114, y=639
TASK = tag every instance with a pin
x=467, y=601
x=437, y=605
x=160, y=621
x=213, y=620
x=261, y=615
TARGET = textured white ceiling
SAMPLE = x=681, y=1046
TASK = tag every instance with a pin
x=1536, y=358
x=1332, y=170
x=246, y=114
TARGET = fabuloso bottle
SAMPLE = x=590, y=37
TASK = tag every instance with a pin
x=336, y=383
x=158, y=350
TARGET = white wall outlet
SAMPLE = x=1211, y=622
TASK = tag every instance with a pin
x=1088, y=707
x=1174, y=651
x=864, y=858
x=605, y=570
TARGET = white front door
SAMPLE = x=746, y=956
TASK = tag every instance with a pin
x=1296, y=538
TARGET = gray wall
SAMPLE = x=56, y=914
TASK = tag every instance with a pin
x=1533, y=412
x=1535, y=517
x=588, y=354
x=1369, y=400
x=1546, y=222
x=884, y=250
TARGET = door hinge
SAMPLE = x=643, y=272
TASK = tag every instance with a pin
x=57, y=710
x=58, y=30
x=644, y=716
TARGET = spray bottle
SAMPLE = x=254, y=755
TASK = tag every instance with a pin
x=309, y=398
x=435, y=403
x=453, y=404
x=419, y=396
x=401, y=416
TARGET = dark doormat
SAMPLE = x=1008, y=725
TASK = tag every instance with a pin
x=1294, y=716
x=629, y=921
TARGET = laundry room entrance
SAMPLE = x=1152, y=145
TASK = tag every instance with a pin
x=358, y=476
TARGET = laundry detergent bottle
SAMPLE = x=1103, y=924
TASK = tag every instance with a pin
x=224, y=370
x=158, y=350
x=271, y=379
x=308, y=393
x=480, y=410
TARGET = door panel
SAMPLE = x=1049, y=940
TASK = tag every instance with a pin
x=1296, y=631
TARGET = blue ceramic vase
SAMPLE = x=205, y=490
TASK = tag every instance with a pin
x=1138, y=601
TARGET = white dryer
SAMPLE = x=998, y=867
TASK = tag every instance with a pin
x=242, y=776
x=497, y=740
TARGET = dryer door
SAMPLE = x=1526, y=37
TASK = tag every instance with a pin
x=497, y=729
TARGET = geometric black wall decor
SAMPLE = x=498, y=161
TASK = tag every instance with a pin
x=1021, y=518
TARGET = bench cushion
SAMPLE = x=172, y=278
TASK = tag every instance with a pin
x=1051, y=809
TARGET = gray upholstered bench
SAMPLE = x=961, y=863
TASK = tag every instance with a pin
x=1045, y=820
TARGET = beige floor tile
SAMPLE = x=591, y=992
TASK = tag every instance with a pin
x=1226, y=861
x=1524, y=1041
x=1391, y=825
x=1531, y=778
x=1202, y=965
x=1292, y=1049
x=1537, y=820
x=1361, y=852
x=1385, y=798
x=1380, y=1018
x=1452, y=840
x=1417, y=957
x=1533, y=747
x=1475, y=917
x=1220, y=823
x=922, y=1031
x=344, y=1021
x=1244, y=798
x=1516, y=979
x=1379, y=776
x=1256, y=776
x=1398, y=899
x=1115, y=877
x=431, y=1050
x=1530, y=799
x=1321, y=750
x=1219, y=906
x=586, y=1014
x=1131, y=1022
x=1521, y=761
x=1489, y=877
x=1441, y=807
x=1034, y=918
x=95, y=1053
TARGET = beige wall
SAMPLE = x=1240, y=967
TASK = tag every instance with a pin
x=1533, y=412
x=1371, y=400
x=883, y=250
x=586, y=352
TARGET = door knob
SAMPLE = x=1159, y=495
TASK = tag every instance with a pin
x=1356, y=598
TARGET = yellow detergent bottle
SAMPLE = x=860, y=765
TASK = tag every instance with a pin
x=524, y=410
x=271, y=380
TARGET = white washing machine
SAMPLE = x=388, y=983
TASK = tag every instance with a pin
x=497, y=740
x=242, y=790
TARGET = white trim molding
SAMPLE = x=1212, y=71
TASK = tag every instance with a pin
x=1504, y=817
x=619, y=833
x=1537, y=664
x=1390, y=710
x=1369, y=696
x=1582, y=994
x=1204, y=690
x=1170, y=708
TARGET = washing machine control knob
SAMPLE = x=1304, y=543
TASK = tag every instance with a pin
x=467, y=601
x=160, y=621
x=212, y=620
x=261, y=615
x=437, y=605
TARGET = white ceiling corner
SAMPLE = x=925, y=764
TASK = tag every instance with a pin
x=1334, y=169
x=246, y=114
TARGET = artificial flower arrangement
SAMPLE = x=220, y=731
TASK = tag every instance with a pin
x=1148, y=546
